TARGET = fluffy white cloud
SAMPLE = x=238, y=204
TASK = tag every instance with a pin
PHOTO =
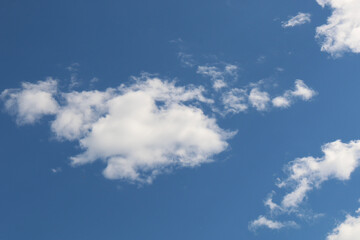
x=299, y=19
x=32, y=101
x=259, y=99
x=301, y=91
x=271, y=224
x=142, y=129
x=304, y=174
x=138, y=131
x=341, y=33
x=347, y=230
x=281, y=101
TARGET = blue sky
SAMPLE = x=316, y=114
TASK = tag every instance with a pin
x=180, y=119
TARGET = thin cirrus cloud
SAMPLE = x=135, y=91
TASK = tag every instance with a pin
x=299, y=19
x=341, y=33
x=305, y=174
x=139, y=130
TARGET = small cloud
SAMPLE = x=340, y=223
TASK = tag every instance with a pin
x=259, y=99
x=301, y=91
x=219, y=76
x=299, y=19
x=74, y=67
x=186, y=59
x=94, y=80
x=56, y=170
x=262, y=221
x=261, y=59
x=177, y=40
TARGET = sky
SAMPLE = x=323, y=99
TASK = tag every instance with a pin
x=165, y=119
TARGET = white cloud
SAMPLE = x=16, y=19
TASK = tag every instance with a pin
x=235, y=100
x=238, y=100
x=217, y=75
x=299, y=19
x=304, y=174
x=347, y=230
x=281, y=101
x=339, y=161
x=301, y=91
x=138, y=131
x=341, y=33
x=32, y=101
x=259, y=99
x=271, y=224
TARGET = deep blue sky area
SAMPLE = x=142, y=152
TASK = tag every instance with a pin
x=114, y=40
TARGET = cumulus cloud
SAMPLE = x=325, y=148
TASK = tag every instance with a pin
x=259, y=99
x=305, y=174
x=32, y=101
x=341, y=33
x=347, y=230
x=138, y=131
x=301, y=91
x=142, y=129
x=299, y=19
x=271, y=224
x=238, y=100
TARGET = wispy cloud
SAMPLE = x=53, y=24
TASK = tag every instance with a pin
x=219, y=76
x=271, y=224
x=299, y=19
x=186, y=59
x=56, y=170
